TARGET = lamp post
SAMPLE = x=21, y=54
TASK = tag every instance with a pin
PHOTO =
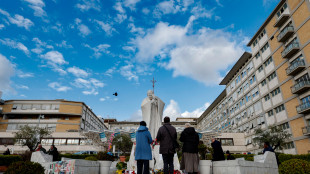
x=40, y=116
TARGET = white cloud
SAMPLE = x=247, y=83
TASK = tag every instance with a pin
x=136, y=116
x=37, y=50
x=106, y=27
x=86, y=5
x=91, y=85
x=18, y=20
x=91, y=92
x=14, y=44
x=110, y=71
x=99, y=49
x=199, y=12
x=1, y=26
x=201, y=55
x=102, y=99
x=128, y=73
x=58, y=87
x=40, y=46
x=171, y=7
x=64, y=44
x=22, y=87
x=136, y=30
x=21, y=74
x=219, y=3
x=77, y=72
x=145, y=11
x=121, y=16
x=7, y=70
x=173, y=111
x=55, y=59
x=131, y=4
x=84, y=30
x=37, y=6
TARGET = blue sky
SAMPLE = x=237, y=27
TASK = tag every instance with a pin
x=85, y=50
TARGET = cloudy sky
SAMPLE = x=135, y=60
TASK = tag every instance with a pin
x=85, y=50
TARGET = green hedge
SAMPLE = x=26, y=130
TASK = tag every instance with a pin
x=74, y=156
x=26, y=167
x=248, y=157
x=6, y=160
x=295, y=166
x=284, y=157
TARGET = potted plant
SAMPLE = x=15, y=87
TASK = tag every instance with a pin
x=204, y=164
x=105, y=161
x=121, y=166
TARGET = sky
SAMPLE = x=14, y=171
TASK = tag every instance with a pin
x=86, y=50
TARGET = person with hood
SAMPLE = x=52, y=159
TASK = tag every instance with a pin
x=53, y=151
x=218, y=154
x=229, y=156
x=143, y=149
x=190, y=158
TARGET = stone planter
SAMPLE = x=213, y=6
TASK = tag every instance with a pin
x=205, y=166
x=104, y=166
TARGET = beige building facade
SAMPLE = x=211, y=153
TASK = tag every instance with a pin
x=269, y=86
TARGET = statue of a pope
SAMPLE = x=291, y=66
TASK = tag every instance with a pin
x=152, y=112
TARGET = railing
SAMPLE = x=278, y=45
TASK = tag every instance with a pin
x=306, y=130
x=284, y=31
x=289, y=48
x=300, y=85
x=303, y=107
x=294, y=66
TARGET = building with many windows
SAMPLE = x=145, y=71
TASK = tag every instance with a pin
x=66, y=119
x=269, y=86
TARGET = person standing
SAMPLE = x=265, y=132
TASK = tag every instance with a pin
x=229, y=156
x=167, y=136
x=218, y=154
x=190, y=158
x=267, y=147
x=40, y=148
x=143, y=149
x=53, y=151
x=7, y=152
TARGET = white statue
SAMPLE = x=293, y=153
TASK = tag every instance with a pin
x=152, y=112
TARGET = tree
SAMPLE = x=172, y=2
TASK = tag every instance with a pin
x=30, y=136
x=275, y=135
x=123, y=143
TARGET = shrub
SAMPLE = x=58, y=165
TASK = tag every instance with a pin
x=121, y=166
x=26, y=156
x=105, y=156
x=127, y=158
x=75, y=156
x=285, y=157
x=25, y=167
x=91, y=158
x=6, y=160
x=295, y=166
x=248, y=157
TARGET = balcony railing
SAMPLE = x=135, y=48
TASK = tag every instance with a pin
x=300, y=87
x=290, y=50
x=295, y=67
x=281, y=20
x=303, y=108
x=285, y=33
x=306, y=130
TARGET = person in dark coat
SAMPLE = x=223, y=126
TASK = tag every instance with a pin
x=229, y=156
x=40, y=148
x=218, y=154
x=267, y=147
x=7, y=152
x=53, y=151
x=190, y=158
x=166, y=136
x=143, y=151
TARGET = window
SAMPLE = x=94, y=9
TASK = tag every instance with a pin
x=270, y=113
x=47, y=141
x=227, y=142
x=272, y=76
x=285, y=126
x=257, y=55
x=264, y=82
x=260, y=69
x=255, y=43
x=289, y=145
x=252, y=79
x=303, y=78
x=73, y=142
x=265, y=47
x=55, y=107
x=268, y=61
x=279, y=108
x=262, y=34
x=51, y=127
x=26, y=107
x=60, y=141
x=46, y=107
x=279, y=13
x=275, y=92
x=267, y=97
x=36, y=107
x=305, y=99
x=6, y=141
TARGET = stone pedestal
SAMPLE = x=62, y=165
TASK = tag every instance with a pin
x=73, y=166
x=41, y=157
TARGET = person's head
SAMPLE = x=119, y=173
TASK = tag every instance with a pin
x=52, y=146
x=166, y=119
x=150, y=94
x=213, y=139
x=227, y=152
x=187, y=125
x=266, y=144
x=39, y=146
x=142, y=123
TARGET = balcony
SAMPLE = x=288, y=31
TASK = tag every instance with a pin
x=303, y=108
x=290, y=50
x=285, y=33
x=281, y=20
x=301, y=87
x=306, y=130
x=295, y=68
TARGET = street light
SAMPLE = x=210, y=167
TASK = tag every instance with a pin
x=40, y=116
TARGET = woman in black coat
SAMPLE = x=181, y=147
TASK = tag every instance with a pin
x=190, y=158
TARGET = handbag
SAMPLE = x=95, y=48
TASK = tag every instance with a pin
x=175, y=143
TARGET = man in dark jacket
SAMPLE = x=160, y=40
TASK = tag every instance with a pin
x=143, y=153
x=166, y=136
x=53, y=151
x=218, y=154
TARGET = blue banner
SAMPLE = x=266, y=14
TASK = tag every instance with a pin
x=133, y=135
x=200, y=135
x=102, y=135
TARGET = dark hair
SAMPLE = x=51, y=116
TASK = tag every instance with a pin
x=227, y=152
x=267, y=143
x=143, y=123
x=166, y=119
